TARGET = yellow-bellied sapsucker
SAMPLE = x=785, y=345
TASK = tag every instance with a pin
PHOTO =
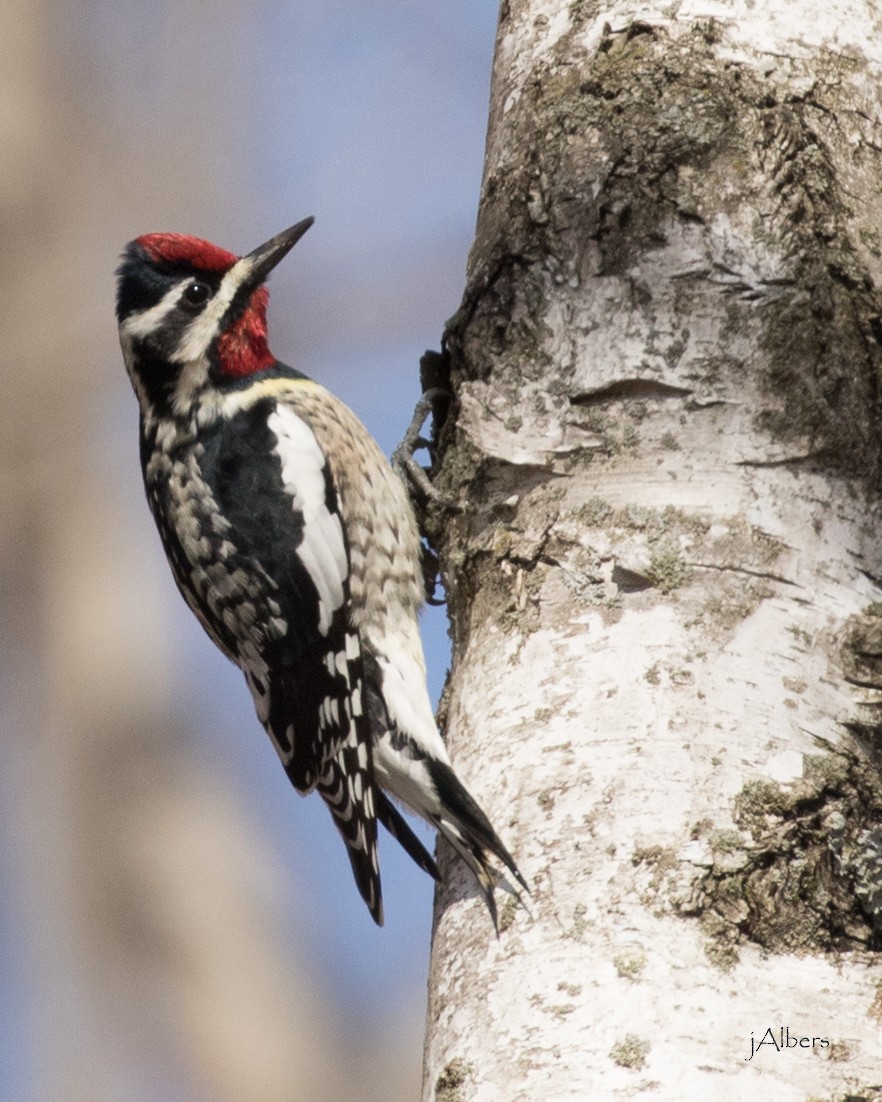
x=293, y=541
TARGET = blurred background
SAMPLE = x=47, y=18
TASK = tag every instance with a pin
x=176, y=924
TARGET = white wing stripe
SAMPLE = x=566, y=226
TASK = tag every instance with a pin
x=322, y=550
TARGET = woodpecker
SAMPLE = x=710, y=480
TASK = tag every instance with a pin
x=293, y=541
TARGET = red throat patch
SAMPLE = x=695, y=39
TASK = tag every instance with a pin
x=180, y=248
x=242, y=349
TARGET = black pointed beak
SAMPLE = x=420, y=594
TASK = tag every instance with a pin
x=265, y=257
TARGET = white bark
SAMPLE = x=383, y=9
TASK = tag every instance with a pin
x=662, y=598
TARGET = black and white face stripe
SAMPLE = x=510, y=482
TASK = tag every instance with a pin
x=192, y=325
x=169, y=319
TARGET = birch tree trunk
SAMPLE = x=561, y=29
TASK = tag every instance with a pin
x=665, y=591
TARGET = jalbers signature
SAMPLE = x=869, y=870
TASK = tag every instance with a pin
x=781, y=1038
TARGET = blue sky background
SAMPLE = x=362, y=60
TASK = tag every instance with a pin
x=231, y=121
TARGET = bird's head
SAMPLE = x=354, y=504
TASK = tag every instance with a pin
x=191, y=314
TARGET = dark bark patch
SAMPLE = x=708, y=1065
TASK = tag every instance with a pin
x=450, y=1084
x=803, y=872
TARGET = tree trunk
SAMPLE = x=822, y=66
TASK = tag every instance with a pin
x=664, y=590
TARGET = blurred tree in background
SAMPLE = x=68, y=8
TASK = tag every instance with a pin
x=174, y=921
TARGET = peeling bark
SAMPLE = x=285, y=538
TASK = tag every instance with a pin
x=664, y=590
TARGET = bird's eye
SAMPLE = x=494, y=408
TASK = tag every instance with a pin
x=196, y=293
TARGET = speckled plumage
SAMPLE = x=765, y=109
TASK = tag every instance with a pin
x=293, y=542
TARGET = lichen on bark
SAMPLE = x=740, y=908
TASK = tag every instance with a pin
x=665, y=433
